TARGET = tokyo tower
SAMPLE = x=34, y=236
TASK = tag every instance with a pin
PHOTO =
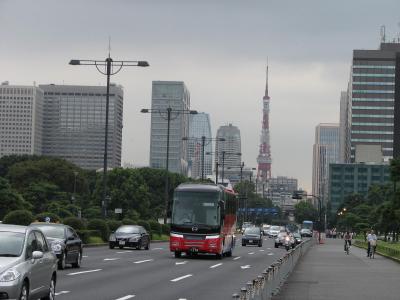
x=264, y=157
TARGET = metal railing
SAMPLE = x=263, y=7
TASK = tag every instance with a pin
x=380, y=249
x=269, y=283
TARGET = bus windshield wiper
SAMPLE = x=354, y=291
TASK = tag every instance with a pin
x=8, y=255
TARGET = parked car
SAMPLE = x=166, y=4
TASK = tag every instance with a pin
x=285, y=239
x=130, y=236
x=265, y=229
x=252, y=236
x=305, y=232
x=64, y=242
x=28, y=268
x=297, y=238
x=273, y=231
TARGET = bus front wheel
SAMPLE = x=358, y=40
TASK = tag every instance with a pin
x=178, y=254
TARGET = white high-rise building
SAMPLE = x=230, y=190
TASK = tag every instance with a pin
x=199, y=126
x=173, y=94
x=74, y=124
x=21, y=115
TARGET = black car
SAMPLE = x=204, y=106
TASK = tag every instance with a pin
x=64, y=242
x=252, y=236
x=297, y=238
x=130, y=236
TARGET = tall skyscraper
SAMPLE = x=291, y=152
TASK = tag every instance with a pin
x=199, y=126
x=325, y=152
x=343, y=127
x=264, y=157
x=172, y=94
x=374, y=101
x=21, y=117
x=228, y=152
x=74, y=123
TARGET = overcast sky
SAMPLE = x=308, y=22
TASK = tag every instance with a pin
x=218, y=48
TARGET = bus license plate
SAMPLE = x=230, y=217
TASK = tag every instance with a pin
x=194, y=250
x=122, y=243
x=250, y=241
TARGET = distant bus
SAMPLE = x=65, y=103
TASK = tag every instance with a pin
x=307, y=225
x=203, y=220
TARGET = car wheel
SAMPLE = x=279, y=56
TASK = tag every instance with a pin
x=61, y=261
x=287, y=248
x=260, y=244
x=52, y=290
x=276, y=245
x=121, y=247
x=77, y=264
x=147, y=246
x=139, y=245
x=24, y=295
x=178, y=254
x=111, y=245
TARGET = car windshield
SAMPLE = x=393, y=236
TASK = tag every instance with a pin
x=56, y=231
x=282, y=234
x=252, y=230
x=128, y=229
x=11, y=244
x=196, y=208
x=296, y=235
x=275, y=228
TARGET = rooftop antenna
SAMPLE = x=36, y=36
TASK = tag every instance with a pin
x=383, y=34
x=109, y=46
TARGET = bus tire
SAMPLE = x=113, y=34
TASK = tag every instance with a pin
x=177, y=254
x=218, y=256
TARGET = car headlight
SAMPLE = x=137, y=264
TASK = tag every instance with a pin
x=112, y=238
x=56, y=247
x=134, y=239
x=9, y=275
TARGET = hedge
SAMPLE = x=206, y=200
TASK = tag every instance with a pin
x=85, y=235
x=113, y=224
x=19, y=217
x=100, y=225
x=145, y=224
x=75, y=223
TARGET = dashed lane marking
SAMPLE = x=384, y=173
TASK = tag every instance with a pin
x=261, y=250
x=85, y=256
x=126, y=297
x=236, y=258
x=181, y=263
x=157, y=249
x=111, y=259
x=251, y=253
x=182, y=277
x=245, y=267
x=83, y=272
x=142, y=261
x=215, y=266
x=269, y=249
x=121, y=252
x=62, y=292
x=270, y=253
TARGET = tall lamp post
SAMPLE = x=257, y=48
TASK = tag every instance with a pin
x=226, y=153
x=169, y=117
x=109, y=64
x=203, y=144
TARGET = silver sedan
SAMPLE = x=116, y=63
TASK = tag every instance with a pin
x=27, y=265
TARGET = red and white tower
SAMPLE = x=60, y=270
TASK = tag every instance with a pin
x=264, y=157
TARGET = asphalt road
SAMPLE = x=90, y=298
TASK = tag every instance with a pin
x=156, y=274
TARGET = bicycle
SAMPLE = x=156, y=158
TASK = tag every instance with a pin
x=346, y=247
x=372, y=249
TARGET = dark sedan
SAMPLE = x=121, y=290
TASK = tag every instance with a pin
x=64, y=242
x=130, y=236
x=252, y=236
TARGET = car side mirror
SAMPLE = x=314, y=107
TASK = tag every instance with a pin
x=37, y=255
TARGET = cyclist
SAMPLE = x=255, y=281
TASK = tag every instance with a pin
x=347, y=240
x=371, y=238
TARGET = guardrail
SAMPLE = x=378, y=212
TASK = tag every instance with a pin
x=268, y=284
x=381, y=249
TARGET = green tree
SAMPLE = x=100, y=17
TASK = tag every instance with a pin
x=305, y=211
x=10, y=199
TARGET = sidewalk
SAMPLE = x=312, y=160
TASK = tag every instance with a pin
x=326, y=272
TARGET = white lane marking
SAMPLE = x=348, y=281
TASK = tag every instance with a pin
x=84, y=272
x=182, y=299
x=62, y=292
x=245, y=267
x=215, y=266
x=182, y=277
x=121, y=252
x=270, y=253
x=251, y=253
x=261, y=250
x=111, y=259
x=269, y=249
x=157, y=249
x=181, y=263
x=126, y=297
x=85, y=256
x=142, y=261
x=236, y=258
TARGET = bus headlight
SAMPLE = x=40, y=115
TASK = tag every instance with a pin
x=208, y=237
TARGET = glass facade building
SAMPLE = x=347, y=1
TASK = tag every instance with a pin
x=21, y=118
x=172, y=94
x=347, y=179
x=199, y=126
x=74, y=124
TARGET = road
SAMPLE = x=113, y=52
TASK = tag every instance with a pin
x=156, y=274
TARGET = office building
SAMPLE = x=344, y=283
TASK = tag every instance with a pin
x=199, y=126
x=281, y=188
x=74, y=124
x=347, y=179
x=21, y=117
x=173, y=94
x=228, y=152
x=374, y=101
x=325, y=152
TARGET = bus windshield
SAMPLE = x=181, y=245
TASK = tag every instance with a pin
x=307, y=225
x=196, y=208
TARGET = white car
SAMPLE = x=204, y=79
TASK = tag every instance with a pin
x=273, y=231
x=265, y=229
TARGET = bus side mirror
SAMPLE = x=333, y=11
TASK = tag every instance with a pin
x=221, y=205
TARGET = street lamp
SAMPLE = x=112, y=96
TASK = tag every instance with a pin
x=203, y=144
x=169, y=111
x=226, y=153
x=109, y=64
